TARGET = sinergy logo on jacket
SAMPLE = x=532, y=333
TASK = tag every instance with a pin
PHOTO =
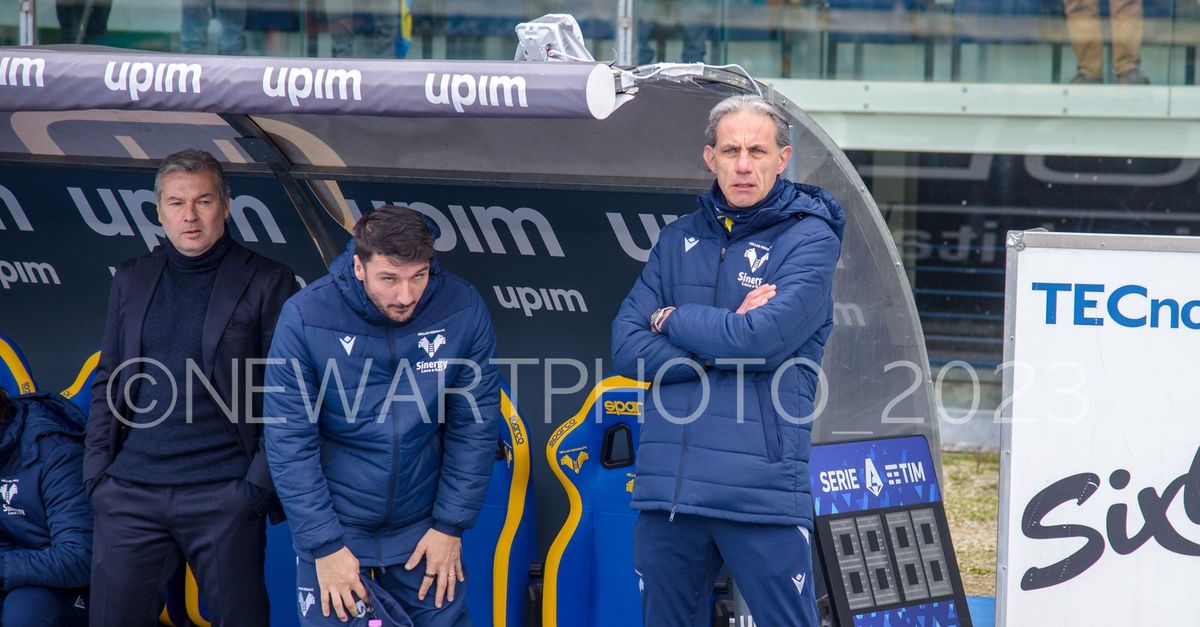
x=430, y=342
x=8, y=491
x=756, y=255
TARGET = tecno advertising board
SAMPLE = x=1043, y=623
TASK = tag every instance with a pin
x=1100, y=480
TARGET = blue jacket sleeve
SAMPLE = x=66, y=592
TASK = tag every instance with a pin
x=293, y=439
x=472, y=428
x=67, y=561
x=638, y=352
x=772, y=332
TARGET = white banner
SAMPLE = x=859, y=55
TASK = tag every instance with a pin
x=44, y=79
x=1100, y=493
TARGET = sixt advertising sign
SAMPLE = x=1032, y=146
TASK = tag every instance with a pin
x=1102, y=511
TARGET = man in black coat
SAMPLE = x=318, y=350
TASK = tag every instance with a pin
x=173, y=461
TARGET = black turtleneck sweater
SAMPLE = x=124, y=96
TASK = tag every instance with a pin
x=179, y=451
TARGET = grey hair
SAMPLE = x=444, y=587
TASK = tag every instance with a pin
x=192, y=161
x=753, y=104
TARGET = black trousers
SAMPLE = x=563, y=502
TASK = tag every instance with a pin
x=90, y=16
x=144, y=532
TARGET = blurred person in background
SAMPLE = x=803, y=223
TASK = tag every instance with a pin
x=230, y=14
x=82, y=21
x=696, y=21
x=386, y=26
x=1083, y=26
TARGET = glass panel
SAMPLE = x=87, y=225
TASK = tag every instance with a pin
x=1005, y=41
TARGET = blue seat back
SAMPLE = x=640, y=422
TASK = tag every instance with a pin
x=15, y=376
x=80, y=390
x=589, y=576
x=497, y=551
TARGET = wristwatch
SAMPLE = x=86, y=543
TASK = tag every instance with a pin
x=657, y=318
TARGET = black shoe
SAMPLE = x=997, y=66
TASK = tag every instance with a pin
x=1133, y=77
x=1084, y=79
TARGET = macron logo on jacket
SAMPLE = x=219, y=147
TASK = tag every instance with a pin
x=348, y=343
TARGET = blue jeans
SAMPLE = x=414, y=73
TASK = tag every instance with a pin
x=193, y=36
x=696, y=19
x=380, y=23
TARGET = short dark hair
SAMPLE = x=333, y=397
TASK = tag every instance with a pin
x=192, y=161
x=7, y=409
x=397, y=233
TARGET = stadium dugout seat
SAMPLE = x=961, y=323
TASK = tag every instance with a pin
x=80, y=390
x=15, y=376
x=589, y=579
x=498, y=550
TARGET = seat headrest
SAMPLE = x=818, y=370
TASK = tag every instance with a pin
x=15, y=377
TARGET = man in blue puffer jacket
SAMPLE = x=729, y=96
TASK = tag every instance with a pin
x=45, y=522
x=381, y=410
x=729, y=320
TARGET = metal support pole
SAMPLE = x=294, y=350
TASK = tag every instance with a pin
x=28, y=19
x=626, y=33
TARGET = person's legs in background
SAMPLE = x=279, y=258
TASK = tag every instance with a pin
x=385, y=27
x=1083, y=26
x=1127, y=41
x=648, y=15
x=231, y=14
x=699, y=20
x=193, y=31
x=88, y=16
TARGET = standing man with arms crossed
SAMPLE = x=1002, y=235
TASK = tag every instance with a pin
x=174, y=477
x=729, y=318
x=382, y=426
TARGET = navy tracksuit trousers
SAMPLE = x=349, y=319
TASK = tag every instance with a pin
x=35, y=606
x=678, y=562
x=401, y=584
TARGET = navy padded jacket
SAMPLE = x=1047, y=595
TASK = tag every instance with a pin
x=747, y=463
x=375, y=458
x=46, y=522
